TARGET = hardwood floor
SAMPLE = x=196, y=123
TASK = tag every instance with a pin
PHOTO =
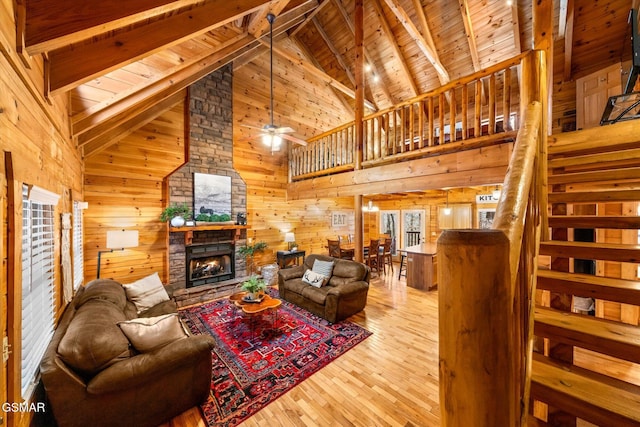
x=390, y=379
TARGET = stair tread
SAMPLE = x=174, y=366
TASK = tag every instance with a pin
x=595, y=221
x=590, y=286
x=604, y=336
x=591, y=250
x=595, y=176
x=590, y=396
x=594, y=196
x=595, y=160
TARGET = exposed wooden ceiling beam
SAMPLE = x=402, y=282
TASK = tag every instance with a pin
x=471, y=37
x=386, y=28
x=320, y=74
x=309, y=17
x=53, y=24
x=337, y=55
x=515, y=24
x=568, y=36
x=338, y=95
x=242, y=45
x=133, y=124
x=70, y=67
x=111, y=115
x=367, y=55
x=258, y=24
x=430, y=54
x=422, y=19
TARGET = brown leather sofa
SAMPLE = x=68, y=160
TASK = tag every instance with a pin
x=344, y=295
x=96, y=378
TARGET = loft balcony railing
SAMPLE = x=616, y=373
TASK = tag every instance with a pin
x=478, y=110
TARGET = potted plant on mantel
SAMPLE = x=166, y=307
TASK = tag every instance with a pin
x=254, y=287
x=176, y=214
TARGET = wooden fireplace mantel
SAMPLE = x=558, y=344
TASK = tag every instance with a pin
x=189, y=230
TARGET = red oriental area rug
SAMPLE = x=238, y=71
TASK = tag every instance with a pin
x=258, y=359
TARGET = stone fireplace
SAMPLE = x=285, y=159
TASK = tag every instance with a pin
x=202, y=257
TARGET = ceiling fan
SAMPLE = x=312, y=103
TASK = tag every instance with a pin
x=273, y=135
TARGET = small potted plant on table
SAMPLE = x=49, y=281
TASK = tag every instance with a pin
x=254, y=287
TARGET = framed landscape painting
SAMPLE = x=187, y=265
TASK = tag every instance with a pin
x=211, y=197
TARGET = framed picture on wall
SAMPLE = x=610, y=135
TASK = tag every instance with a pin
x=211, y=197
x=339, y=219
x=485, y=218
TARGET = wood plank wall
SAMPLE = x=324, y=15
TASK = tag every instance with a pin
x=36, y=135
x=124, y=185
x=270, y=214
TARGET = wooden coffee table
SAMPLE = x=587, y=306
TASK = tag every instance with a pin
x=253, y=308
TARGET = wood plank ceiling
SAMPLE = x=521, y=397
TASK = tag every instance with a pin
x=122, y=63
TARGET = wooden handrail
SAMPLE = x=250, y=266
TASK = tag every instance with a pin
x=487, y=285
x=514, y=198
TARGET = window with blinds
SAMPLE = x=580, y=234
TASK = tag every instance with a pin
x=37, y=286
x=78, y=254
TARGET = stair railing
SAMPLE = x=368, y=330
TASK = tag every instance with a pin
x=486, y=282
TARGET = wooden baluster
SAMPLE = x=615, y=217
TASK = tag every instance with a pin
x=465, y=110
x=403, y=128
x=452, y=115
x=441, y=102
x=506, y=101
x=420, y=124
x=430, y=118
x=492, y=104
x=412, y=118
x=477, y=124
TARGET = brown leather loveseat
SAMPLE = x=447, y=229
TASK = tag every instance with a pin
x=344, y=295
x=93, y=375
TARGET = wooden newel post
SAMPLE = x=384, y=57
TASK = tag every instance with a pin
x=478, y=383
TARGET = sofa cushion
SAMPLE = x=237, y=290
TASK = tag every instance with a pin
x=323, y=267
x=314, y=279
x=317, y=295
x=347, y=272
x=103, y=289
x=93, y=340
x=146, y=292
x=149, y=333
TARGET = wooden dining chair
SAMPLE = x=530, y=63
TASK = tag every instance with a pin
x=373, y=256
x=334, y=248
x=387, y=257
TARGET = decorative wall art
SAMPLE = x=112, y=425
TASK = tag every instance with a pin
x=211, y=197
x=485, y=218
x=339, y=219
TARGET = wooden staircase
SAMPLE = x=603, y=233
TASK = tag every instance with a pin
x=598, y=167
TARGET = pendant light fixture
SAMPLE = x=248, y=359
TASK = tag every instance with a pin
x=447, y=209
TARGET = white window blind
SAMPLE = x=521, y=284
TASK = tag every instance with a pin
x=78, y=253
x=37, y=285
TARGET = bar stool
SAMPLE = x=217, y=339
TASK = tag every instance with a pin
x=403, y=266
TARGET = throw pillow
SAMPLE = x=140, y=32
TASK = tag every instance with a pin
x=146, y=292
x=314, y=279
x=148, y=333
x=323, y=267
